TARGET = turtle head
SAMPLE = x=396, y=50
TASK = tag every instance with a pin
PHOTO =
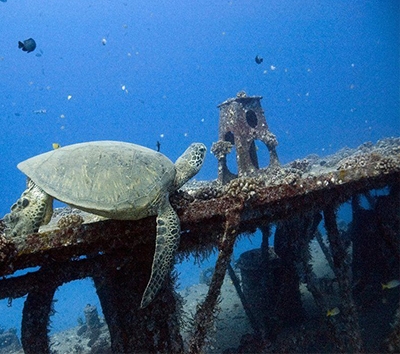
x=189, y=163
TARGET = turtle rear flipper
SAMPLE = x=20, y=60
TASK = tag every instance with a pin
x=167, y=241
x=33, y=209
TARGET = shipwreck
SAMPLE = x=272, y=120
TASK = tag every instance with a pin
x=299, y=199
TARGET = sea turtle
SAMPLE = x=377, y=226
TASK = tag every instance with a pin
x=113, y=179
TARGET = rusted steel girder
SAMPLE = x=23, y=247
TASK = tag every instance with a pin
x=202, y=220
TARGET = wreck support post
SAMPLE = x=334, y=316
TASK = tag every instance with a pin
x=35, y=319
x=342, y=272
x=149, y=330
x=204, y=316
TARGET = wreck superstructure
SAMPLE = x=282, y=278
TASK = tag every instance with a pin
x=297, y=198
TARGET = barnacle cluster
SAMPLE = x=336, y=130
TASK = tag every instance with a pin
x=6, y=246
x=390, y=145
x=386, y=164
x=355, y=161
x=199, y=190
x=70, y=220
x=248, y=187
x=221, y=148
x=303, y=165
x=210, y=192
x=285, y=175
x=376, y=160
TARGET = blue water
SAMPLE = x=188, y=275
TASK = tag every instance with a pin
x=329, y=78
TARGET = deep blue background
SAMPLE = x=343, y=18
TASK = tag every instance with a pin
x=330, y=78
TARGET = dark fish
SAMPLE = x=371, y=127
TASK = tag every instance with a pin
x=258, y=59
x=28, y=45
x=158, y=144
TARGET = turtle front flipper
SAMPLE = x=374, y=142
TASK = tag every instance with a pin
x=167, y=241
x=33, y=209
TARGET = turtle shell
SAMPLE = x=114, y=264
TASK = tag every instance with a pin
x=109, y=178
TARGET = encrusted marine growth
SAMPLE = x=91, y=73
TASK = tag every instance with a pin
x=70, y=220
x=241, y=123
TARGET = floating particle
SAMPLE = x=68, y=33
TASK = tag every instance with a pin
x=161, y=135
x=185, y=135
x=104, y=41
x=123, y=87
x=62, y=116
x=202, y=120
x=69, y=97
x=273, y=67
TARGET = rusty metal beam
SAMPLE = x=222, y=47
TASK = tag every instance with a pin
x=202, y=219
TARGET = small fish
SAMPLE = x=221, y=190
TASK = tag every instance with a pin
x=28, y=45
x=332, y=312
x=158, y=144
x=104, y=41
x=391, y=284
x=56, y=146
x=258, y=59
x=40, y=111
